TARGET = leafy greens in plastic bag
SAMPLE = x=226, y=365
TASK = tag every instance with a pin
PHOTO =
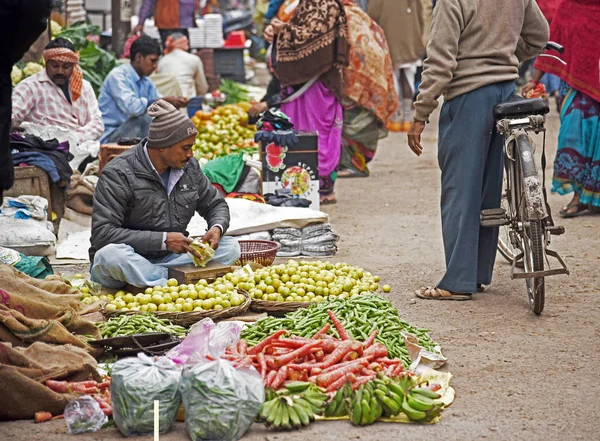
x=221, y=401
x=135, y=383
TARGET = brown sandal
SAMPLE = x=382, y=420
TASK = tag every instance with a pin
x=435, y=293
x=328, y=199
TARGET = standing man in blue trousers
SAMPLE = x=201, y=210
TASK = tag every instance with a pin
x=473, y=60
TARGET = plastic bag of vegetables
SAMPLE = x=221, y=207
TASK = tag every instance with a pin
x=221, y=401
x=135, y=384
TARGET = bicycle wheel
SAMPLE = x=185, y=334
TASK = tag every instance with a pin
x=531, y=236
x=536, y=287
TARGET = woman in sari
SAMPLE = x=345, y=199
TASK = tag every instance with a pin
x=370, y=96
x=309, y=53
x=577, y=163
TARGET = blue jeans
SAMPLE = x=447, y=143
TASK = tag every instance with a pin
x=471, y=157
x=117, y=265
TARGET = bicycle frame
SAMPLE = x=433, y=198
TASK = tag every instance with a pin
x=519, y=147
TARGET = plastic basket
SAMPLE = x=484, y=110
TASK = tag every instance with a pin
x=262, y=252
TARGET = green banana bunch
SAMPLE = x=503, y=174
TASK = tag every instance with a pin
x=422, y=404
x=293, y=407
x=402, y=394
x=338, y=406
x=363, y=406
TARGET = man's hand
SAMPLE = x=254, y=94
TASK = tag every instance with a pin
x=257, y=109
x=269, y=34
x=531, y=84
x=177, y=101
x=179, y=244
x=414, y=137
x=137, y=29
x=212, y=237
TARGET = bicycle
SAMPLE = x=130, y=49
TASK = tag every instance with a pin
x=525, y=217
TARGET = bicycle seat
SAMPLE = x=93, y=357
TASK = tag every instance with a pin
x=518, y=107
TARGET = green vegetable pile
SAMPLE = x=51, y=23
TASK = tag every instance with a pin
x=138, y=324
x=359, y=315
x=220, y=401
x=235, y=92
x=135, y=383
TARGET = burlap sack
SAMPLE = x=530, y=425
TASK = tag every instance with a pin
x=19, y=330
x=39, y=310
x=24, y=371
x=80, y=196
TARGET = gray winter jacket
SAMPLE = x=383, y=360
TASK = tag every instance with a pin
x=131, y=205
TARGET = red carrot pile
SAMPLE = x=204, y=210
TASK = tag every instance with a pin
x=98, y=391
x=326, y=361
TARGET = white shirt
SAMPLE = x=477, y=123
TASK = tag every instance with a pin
x=188, y=70
x=37, y=99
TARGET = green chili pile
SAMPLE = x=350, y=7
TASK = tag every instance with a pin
x=360, y=317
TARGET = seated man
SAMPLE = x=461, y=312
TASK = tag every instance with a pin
x=59, y=96
x=144, y=201
x=127, y=92
x=187, y=68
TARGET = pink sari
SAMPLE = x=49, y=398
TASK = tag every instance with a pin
x=317, y=110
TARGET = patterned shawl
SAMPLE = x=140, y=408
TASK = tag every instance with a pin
x=314, y=43
x=369, y=76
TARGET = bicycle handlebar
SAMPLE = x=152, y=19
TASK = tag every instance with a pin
x=551, y=45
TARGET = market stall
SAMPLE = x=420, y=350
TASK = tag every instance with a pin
x=291, y=343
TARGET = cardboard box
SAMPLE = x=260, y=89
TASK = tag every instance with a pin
x=295, y=168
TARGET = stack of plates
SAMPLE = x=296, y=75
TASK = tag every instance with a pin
x=197, y=35
x=213, y=29
x=151, y=30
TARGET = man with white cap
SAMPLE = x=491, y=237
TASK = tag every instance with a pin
x=144, y=201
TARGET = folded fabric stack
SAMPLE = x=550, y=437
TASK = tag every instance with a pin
x=317, y=240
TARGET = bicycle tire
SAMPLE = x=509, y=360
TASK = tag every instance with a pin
x=538, y=288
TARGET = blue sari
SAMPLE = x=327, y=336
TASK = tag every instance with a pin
x=577, y=163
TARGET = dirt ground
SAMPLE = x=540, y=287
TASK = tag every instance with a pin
x=517, y=376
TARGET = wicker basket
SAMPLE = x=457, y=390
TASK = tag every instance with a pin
x=276, y=308
x=262, y=252
x=189, y=318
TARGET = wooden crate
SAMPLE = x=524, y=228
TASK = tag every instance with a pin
x=32, y=181
x=190, y=274
x=108, y=152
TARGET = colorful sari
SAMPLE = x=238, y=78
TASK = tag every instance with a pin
x=318, y=110
x=577, y=163
x=314, y=45
x=370, y=96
